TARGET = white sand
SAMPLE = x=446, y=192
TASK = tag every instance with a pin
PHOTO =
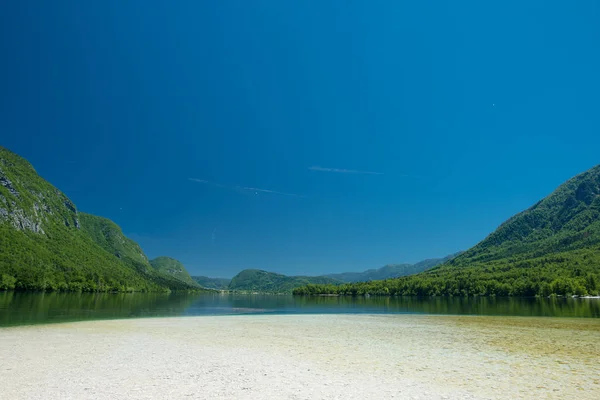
x=304, y=357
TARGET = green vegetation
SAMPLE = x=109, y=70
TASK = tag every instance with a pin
x=390, y=271
x=255, y=280
x=252, y=280
x=174, y=268
x=46, y=244
x=553, y=248
x=109, y=236
x=22, y=308
x=212, y=283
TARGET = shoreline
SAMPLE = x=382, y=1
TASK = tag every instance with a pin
x=412, y=356
x=51, y=323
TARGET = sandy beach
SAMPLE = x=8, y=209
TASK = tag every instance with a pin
x=304, y=357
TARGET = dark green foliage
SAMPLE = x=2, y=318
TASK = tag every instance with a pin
x=390, y=271
x=109, y=236
x=432, y=262
x=569, y=273
x=568, y=219
x=262, y=281
x=212, y=283
x=45, y=244
x=21, y=308
x=387, y=271
x=174, y=268
x=553, y=248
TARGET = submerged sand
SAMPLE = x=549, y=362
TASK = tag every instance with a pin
x=304, y=357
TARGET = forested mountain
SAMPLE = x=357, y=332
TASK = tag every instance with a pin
x=551, y=248
x=568, y=219
x=172, y=267
x=390, y=271
x=212, y=283
x=46, y=244
x=263, y=281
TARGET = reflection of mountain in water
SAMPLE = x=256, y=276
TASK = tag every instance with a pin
x=20, y=308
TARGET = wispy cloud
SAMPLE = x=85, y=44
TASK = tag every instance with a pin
x=343, y=171
x=208, y=182
x=245, y=188
x=269, y=191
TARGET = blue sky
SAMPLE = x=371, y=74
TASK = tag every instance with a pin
x=467, y=111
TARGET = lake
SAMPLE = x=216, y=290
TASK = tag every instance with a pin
x=22, y=308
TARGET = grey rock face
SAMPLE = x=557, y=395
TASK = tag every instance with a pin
x=47, y=209
x=20, y=221
x=70, y=206
x=174, y=271
x=4, y=181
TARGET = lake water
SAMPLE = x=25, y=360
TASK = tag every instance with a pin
x=20, y=308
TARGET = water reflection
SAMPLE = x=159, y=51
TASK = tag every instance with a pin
x=18, y=308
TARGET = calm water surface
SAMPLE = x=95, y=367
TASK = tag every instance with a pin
x=18, y=308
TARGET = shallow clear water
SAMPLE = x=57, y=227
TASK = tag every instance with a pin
x=18, y=308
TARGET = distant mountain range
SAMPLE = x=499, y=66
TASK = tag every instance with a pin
x=174, y=268
x=47, y=244
x=255, y=280
x=390, y=270
x=552, y=248
x=264, y=281
x=212, y=283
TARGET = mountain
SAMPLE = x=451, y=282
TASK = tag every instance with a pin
x=387, y=271
x=390, y=271
x=263, y=281
x=552, y=248
x=172, y=267
x=109, y=236
x=568, y=219
x=212, y=283
x=432, y=262
x=46, y=244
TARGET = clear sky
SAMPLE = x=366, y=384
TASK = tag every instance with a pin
x=467, y=112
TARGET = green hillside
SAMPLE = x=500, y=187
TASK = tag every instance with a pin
x=172, y=267
x=263, y=281
x=387, y=271
x=390, y=271
x=110, y=237
x=568, y=219
x=212, y=283
x=551, y=248
x=46, y=244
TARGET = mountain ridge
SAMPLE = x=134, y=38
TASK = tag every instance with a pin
x=256, y=280
x=47, y=244
x=170, y=266
x=550, y=248
x=390, y=270
x=212, y=283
